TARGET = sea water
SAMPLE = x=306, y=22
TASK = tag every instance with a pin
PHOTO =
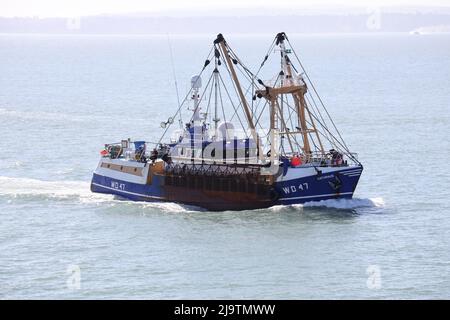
x=63, y=97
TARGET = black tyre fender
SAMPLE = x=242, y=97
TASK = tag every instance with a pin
x=273, y=194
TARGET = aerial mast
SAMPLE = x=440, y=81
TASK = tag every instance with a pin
x=196, y=84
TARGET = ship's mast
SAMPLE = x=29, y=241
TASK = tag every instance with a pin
x=291, y=99
x=216, y=83
x=297, y=95
x=223, y=47
x=293, y=85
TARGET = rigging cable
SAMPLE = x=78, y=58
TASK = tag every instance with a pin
x=317, y=94
x=185, y=98
x=315, y=109
x=174, y=77
x=344, y=149
x=232, y=104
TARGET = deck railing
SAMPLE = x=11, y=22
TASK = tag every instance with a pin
x=126, y=149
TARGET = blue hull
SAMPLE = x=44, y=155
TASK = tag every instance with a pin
x=318, y=187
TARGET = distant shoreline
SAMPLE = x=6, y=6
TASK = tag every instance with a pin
x=181, y=35
x=373, y=22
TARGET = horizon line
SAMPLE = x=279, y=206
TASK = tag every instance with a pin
x=313, y=10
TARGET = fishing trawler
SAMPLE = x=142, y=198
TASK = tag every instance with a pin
x=248, y=143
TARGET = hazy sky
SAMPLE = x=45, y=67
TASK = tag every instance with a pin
x=69, y=8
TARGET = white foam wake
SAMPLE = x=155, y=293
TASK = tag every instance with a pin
x=353, y=203
x=17, y=187
x=73, y=190
x=80, y=191
x=346, y=204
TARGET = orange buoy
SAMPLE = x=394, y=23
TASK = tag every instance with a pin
x=296, y=161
